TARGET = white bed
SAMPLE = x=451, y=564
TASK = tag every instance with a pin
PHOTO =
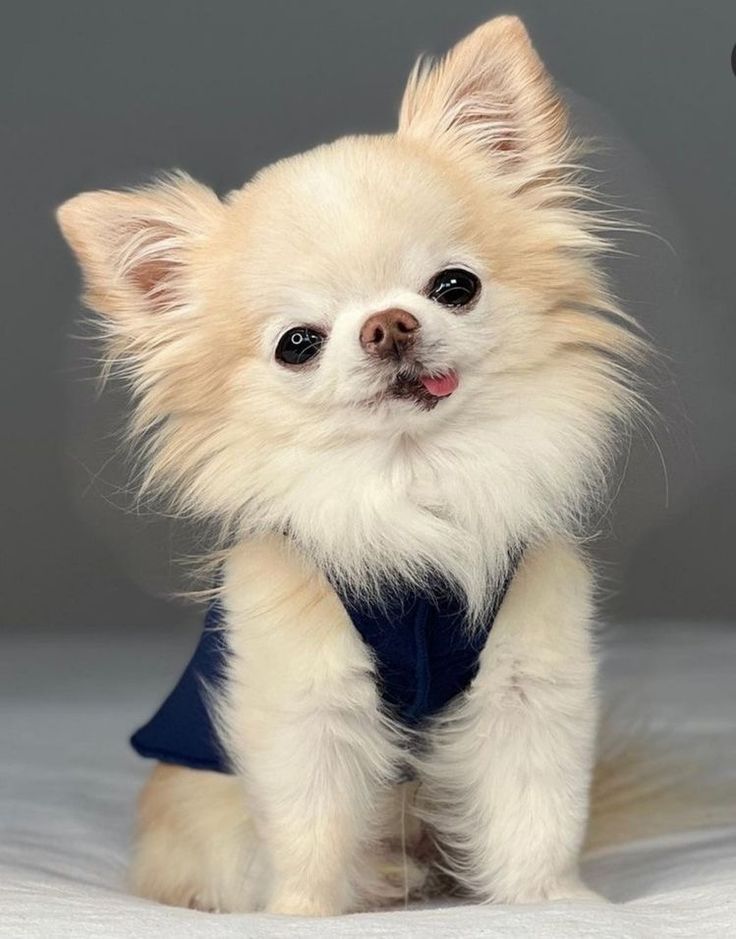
x=68, y=783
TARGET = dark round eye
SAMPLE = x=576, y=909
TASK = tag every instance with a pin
x=454, y=287
x=299, y=345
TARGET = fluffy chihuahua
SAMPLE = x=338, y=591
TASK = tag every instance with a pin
x=390, y=371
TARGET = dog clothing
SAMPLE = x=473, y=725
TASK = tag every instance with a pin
x=424, y=657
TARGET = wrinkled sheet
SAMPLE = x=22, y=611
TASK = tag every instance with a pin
x=68, y=784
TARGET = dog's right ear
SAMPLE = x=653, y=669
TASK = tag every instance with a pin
x=491, y=95
x=135, y=247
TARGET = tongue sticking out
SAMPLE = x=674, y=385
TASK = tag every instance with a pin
x=441, y=385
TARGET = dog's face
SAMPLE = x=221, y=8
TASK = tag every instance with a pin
x=368, y=284
x=389, y=346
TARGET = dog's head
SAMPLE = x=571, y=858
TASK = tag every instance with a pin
x=398, y=348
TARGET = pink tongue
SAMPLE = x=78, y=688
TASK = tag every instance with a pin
x=440, y=386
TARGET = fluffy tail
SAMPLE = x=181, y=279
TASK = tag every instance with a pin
x=649, y=783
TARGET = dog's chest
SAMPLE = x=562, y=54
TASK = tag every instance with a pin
x=423, y=653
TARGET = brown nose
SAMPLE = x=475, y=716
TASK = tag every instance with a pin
x=388, y=335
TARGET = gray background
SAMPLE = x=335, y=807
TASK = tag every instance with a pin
x=102, y=94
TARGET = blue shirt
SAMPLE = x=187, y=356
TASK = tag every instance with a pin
x=423, y=653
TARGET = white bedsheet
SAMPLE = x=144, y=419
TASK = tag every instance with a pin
x=68, y=782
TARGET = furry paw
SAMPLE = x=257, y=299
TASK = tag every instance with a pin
x=573, y=889
x=568, y=888
x=564, y=888
x=396, y=877
x=299, y=904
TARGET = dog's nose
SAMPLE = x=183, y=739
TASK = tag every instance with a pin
x=388, y=335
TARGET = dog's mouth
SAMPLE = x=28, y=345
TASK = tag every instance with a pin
x=424, y=390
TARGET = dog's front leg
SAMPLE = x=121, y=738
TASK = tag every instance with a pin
x=303, y=726
x=510, y=765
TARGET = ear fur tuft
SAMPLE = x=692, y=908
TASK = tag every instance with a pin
x=491, y=94
x=133, y=246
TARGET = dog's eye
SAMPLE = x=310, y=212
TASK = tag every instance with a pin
x=454, y=287
x=299, y=345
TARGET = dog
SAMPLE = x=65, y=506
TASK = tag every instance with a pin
x=391, y=372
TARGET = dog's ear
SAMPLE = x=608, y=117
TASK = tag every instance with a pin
x=135, y=247
x=490, y=94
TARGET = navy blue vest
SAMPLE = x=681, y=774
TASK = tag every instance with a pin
x=423, y=655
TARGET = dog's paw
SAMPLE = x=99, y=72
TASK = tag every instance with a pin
x=573, y=889
x=395, y=877
x=564, y=888
x=568, y=888
x=302, y=904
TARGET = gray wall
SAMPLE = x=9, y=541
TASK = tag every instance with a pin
x=103, y=93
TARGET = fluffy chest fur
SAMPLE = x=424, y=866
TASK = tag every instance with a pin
x=392, y=359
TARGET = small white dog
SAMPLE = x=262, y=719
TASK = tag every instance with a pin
x=390, y=368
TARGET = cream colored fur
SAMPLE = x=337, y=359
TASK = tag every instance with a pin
x=193, y=294
x=503, y=782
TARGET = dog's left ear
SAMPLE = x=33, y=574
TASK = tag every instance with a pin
x=490, y=94
x=136, y=248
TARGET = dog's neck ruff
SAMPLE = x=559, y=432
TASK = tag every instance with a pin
x=424, y=657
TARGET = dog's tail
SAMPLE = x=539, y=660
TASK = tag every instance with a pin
x=649, y=783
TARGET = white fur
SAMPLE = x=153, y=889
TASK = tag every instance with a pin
x=507, y=770
x=195, y=293
x=303, y=726
x=503, y=776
